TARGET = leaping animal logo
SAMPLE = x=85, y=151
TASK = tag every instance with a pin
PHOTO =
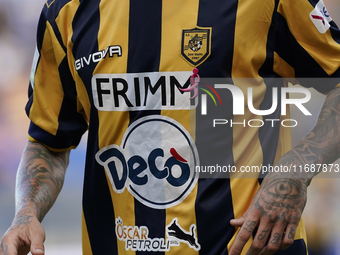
x=175, y=230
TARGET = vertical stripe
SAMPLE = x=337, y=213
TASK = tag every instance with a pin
x=47, y=108
x=144, y=36
x=64, y=20
x=213, y=202
x=258, y=26
x=114, y=20
x=86, y=245
x=96, y=198
x=252, y=26
x=220, y=15
x=124, y=209
x=251, y=30
x=269, y=133
x=97, y=204
x=285, y=139
x=72, y=124
x=69, y=123
x=213, y=213
x=178, y=15
x=214, y=207
x=144, y=56
x=144, y=40
x=242, y=188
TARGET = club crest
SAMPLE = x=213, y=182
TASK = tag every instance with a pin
x=196, y=45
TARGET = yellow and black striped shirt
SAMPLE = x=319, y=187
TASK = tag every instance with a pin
x=116, y=69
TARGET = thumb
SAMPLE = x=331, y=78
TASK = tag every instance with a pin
x=37, y=243
x=37, y=250
x=238, y=222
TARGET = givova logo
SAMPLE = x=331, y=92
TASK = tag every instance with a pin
x=155, y=162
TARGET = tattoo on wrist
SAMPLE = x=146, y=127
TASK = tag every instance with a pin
x=22, y=220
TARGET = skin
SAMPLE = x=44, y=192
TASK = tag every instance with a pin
x=277, y=206
x=275, y=210
x=40, y=178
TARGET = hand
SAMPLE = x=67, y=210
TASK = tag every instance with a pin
x=275, y=211
x=25, y=234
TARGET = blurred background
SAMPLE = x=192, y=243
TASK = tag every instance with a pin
x=18, y=21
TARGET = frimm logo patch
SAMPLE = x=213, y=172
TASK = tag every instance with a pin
x=196, y=44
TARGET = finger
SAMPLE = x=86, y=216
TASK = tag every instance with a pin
x=9, y=249
x=260, y=239
x=238, y=222
x=1, y=250
x=38, y=251
x=37, y=242
x=37, y=248
x=289, y=236
x=243, y=236
x=9, y=246
x=275, y=240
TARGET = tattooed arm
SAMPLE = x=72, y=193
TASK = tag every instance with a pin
x=277, y=206
x=40, y=178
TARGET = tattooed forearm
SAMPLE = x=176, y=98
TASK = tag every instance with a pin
x=322, y=144
x=40, y=178
x=281, y=197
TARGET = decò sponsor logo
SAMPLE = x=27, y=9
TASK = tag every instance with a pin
x=155, y=162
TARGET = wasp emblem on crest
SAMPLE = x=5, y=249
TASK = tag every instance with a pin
x=196, y=45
